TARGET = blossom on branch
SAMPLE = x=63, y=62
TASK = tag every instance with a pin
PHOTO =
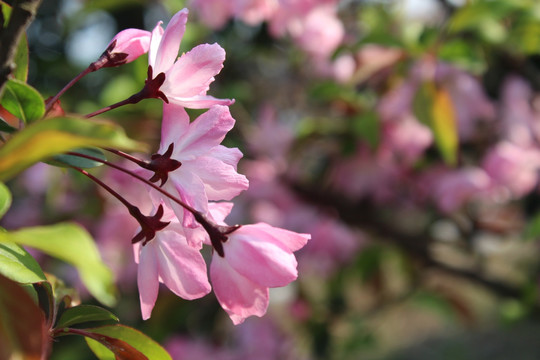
x=188, y=77
x=208, y=169
x=169, y=259
x=125, y=47
x=256, y=258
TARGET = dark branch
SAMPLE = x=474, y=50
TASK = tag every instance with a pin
x=364, y=216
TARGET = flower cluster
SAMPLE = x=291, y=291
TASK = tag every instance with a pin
x=312, y=24
x=190, y=174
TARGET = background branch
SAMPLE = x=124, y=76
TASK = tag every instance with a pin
x=365, y=217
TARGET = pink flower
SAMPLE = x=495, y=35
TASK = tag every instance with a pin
x=187, y=78
x=213, y=13
x=256, y=257
x=254, y=12
x=169, y=259
x=133, y=42
x=453, y=189
x=407, y=138
x=320, y=32
x=513, y=169
x=125, y=47
x=208, y=169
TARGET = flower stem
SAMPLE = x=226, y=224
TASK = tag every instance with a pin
x=217, y=233
x=129, y=157
x=50, y=102
x=133, y=99
x=138, y=177
x=149, y=91
x=105, y=186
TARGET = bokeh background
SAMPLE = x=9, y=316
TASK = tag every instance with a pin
x=403, y=135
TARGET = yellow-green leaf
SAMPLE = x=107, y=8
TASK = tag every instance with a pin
x=5, y=199
x=72, y=244
x=49, y=137
x=444, y=126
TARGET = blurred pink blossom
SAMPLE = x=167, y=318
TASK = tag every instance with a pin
x=407, y=138
x=185, y=348
x=213, y=13
x=367, y=173
x=331, y=246
x=520, y=121
x=254, y=12
x=513, y=169
x=469, y=100
x=268, y=137
x=454, y=188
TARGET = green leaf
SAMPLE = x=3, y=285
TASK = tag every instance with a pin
x=23, y=101
x=23, y=334
x=5, y=199
x=53, y=136
x=5, y=127
x=366, y=126
x=125, y=334
x=72, y=244
x=64, y=160
x=18, y=265
x=84, y=313
x=21, y=60
x=532, y=230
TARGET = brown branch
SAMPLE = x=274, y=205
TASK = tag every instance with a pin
x=22, y=14
x=364, y=216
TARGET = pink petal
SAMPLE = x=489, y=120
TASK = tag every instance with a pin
x=262, y=262
x=220, y=210
x=174, y=125
x=191, y=190
x=193, y=72
x=181, y=267
x=148, y=279
x=207, y=131
x=290, y=240
x=238, y=296
x=170, y=42
x=229, y=156
x=133, y=42
x=155, y=41
x=198, y=101
x=221, y=181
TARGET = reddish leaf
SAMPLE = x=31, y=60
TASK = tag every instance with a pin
x=23, y=333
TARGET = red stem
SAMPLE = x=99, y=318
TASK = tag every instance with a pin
x=129, y=157
x=140, y=178
x=106, y=187
x=50, y=103
x=133, y=99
